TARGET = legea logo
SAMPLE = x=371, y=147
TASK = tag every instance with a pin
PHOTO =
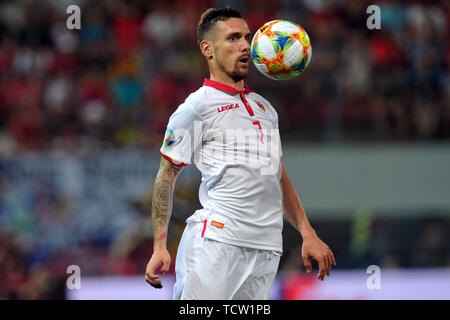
x=228, y=107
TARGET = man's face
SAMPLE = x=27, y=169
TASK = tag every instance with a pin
x=232, y=47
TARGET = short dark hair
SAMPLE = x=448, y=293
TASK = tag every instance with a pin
x=211, y=16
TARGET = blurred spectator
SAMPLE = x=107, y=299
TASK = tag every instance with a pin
x=432, y=245
x=162, y=26
x=126, y=27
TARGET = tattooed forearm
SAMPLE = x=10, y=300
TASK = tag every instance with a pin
x=162, y=200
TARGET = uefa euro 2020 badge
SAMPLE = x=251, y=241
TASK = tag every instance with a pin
x=169, y=137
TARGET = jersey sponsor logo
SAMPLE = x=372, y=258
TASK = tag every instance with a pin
x=217, y=224
x=228, y=107
x=261, y=106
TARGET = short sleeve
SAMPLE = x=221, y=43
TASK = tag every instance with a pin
x=183, y=137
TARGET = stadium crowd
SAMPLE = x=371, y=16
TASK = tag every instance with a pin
x=114, y=83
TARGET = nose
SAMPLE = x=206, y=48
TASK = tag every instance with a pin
x=245, y=46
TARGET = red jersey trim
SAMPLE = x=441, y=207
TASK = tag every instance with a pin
x=171, y=160
x=246, y=104
x=225, y=87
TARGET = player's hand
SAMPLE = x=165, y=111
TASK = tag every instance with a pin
x=314, y=248
x=160, y=259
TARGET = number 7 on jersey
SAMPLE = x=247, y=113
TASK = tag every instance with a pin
x=260, y=129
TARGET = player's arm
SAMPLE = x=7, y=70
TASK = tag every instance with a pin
x=162, y=200
x=295, y=214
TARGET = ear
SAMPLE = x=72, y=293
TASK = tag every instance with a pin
x=206, y=47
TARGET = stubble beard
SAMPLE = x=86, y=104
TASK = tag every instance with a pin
x=235, y=75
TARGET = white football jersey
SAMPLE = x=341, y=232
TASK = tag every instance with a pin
x=232, y=137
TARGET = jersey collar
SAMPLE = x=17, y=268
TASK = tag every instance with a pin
x=225, y=87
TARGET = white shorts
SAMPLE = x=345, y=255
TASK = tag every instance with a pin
x=208, y=269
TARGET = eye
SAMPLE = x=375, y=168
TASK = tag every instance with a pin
x=233, y=37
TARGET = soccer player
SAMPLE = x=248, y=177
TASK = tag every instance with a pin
x=231, y=248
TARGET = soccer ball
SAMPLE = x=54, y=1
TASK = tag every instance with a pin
x=281, y=49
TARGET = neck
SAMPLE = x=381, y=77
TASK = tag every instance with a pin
x=225, y=79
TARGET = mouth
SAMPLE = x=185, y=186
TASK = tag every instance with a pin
x=244, y=60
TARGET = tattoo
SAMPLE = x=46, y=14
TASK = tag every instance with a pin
x=162, y=236
x=162, y=198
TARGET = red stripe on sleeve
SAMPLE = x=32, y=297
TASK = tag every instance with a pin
x=181, y=164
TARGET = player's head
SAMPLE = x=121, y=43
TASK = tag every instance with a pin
x=224, y=39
